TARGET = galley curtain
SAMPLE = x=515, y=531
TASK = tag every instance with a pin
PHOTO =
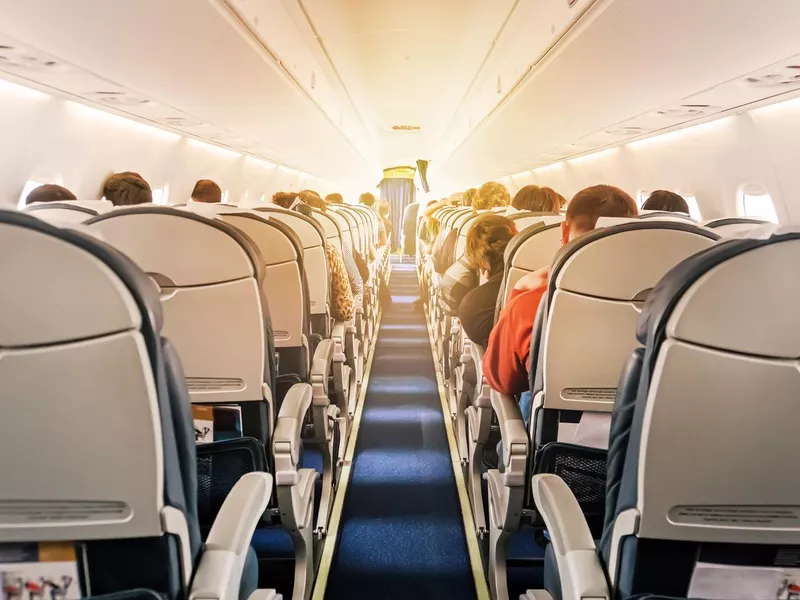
x=399, y=193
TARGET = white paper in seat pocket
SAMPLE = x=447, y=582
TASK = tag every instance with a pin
x=726, y=582
x=593, y=430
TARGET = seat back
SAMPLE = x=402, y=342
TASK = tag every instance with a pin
x=97, y=444
x=286, y=291
x=598, y=284
x=664, y=215
x=705, y=444
x=524, y=219
x=312, y=237
x=733, y=226
x=357, y=235
x=68, y=211
x=333, y=234
x=210, y=276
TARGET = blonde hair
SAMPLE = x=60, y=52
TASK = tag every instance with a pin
x=491, y=194
x=487, y=241
x=469, y=197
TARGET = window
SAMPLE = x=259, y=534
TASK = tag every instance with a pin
x=694, y=208
x=758, y=206
x=161, y=195
x=29, y=187
x=641, y=197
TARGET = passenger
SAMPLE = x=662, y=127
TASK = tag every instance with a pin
x=666, y=201
x=206, y=191
x=368, y=200
x=535, y=199
x=562, y=203
x=486, y=245
x=505, y=364
x=287, y=200
x=350, y=259
x=127, y=189
x=383, y=212
x=334, y=199
x=469, y=197
x=410, y=229
x=490, y=195
x=49, y=193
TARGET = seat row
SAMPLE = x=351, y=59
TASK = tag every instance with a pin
x=135, y=326
x=607, y=449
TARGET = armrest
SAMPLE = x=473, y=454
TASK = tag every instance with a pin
x=579, y=567
x=219, y=573
x=320, y=367
x=338, y=334
x=265, y=595
x=286, y=440
x=515, y=439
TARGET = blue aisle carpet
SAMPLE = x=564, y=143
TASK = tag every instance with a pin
x=402, y=534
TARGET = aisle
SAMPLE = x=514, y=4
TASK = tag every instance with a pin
x=402, y=534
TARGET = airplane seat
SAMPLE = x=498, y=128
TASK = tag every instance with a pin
x=682, y=521
x=733, y=226
x=68, y=211
x=664, y=215
x=524, y=219
x=287, y=295
x=136, y=527
x=598, y=284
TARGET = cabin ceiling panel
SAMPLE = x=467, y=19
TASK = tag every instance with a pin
x=184, y=54
x=633, y=57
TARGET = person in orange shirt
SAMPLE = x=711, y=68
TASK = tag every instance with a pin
x=506, y=362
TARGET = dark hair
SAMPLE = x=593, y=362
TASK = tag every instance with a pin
x=487, y=240
x=367, y=199
x=597, y=201
x=284, y=199
x=334, y=199
x=667, y=201
x=206, y=190
x=127, y=189
x=49, y=193
x=536, y=199
x=469, y=196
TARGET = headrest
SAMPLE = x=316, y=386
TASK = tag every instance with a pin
x=739, y=296
x=328, y=224
x=734, y=223
x=179, y=247
x=209, y=209
x=664, y=215
x=65, y=286
x=309, y=232
x=523, y=220
x=523, y=237
x=626, y=261
x=273, y=238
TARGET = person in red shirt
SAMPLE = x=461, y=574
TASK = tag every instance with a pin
x=506, y=362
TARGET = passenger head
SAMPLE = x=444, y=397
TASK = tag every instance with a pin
x=367, y=199
x=487, y=241
x=286, y=200
x=469, y=197
x=310, y=192
x=592, y=203
x=383, y=208
x=49, y=193
x=491, y=194
x=562, y=202
x=127, y=189
x=334, y=199
x=207, y=191
x=536, y=199
x=312, y=199
x=667, y=201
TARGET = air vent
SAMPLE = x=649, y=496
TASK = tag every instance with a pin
x=789, y=77
x=22, y=59
x=689, y=111
x=214, y=384
x=48, y=512
x=406, y=127
x=118, y=98
x=627, y=130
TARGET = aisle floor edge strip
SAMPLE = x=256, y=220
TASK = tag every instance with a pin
x=329, y=547
x=475, y=560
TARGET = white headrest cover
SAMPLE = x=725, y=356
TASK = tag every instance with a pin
x=622, y=266
x=53, y=291
x=187, y=251
x=748, y=304
x=275, y=247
